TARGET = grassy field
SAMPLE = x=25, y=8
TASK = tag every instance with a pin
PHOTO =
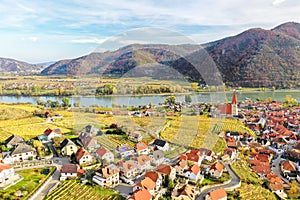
x=71, y=190
x=32, y=179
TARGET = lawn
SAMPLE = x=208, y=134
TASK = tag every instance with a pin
x=32, y=179
x=70, y=190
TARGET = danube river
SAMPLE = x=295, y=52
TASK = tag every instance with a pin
x=107, y=101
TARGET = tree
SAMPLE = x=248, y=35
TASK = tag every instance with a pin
x=188, y=98
x=76, y=104
x=65, y=102
x=170, y=100
x=41, y=102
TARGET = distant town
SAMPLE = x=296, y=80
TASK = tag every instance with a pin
x=266, y=155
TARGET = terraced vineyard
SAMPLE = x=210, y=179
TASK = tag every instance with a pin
x=199, y=131
x=251, y=187
x=71, y=190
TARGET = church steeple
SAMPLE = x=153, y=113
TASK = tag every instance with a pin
x=234, y=98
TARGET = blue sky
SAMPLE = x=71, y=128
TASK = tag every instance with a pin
x=40, y=31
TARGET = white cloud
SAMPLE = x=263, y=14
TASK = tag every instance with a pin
x=277, y=2
x=87, y=40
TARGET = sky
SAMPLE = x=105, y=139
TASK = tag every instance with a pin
x=37, y=31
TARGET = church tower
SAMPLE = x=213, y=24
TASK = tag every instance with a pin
x=234, y=108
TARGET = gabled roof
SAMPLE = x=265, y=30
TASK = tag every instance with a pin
x=22, y=148
x=4, y=167
x=48, y=131
x=110, y=170
x=217, y=166
x=143, y=159
x=152, y=175
x=195, y=169
x=101, y=151
x=218, y=194
x=69, y=168
x=142, y=194
x=165, y=169
x=128, y=165
x=66, y=142
x=141, y=146
x=288, y=165
x=148, y=183
x=14, y=139
x=89, y=141
x=80, y=153
x=159, y=142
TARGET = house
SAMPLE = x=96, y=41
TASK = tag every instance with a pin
x=166, y=170
x=219, y=194
x=142, y=194
x=135, y=137
x=193, y=173
x=288, y=169
x=128, y=168
x=52, y=133
x=144, y=162
x=142, y=148
x=104, y=154
x=216, y=170
x=157, y=157
x=148, y=184
x=181, y=165
x=89, y=142
x=156, y=178
x=6, y=173
x=229, y=154
x=152, y=182
x=93, y=131
x=108, y=176
x=161, y=144
x=13, y=140
x=276, y=184
x=206, y=154
x=19, y=153
x=83, y=157
x=70, y=171
x=184, y=192
x=125, y=150
x=68, y=147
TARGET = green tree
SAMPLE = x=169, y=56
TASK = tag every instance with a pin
x=188, y=98
x=170, y=100
x=65, y=102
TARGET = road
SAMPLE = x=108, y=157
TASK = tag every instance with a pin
x=235, y=180
x=58, y=162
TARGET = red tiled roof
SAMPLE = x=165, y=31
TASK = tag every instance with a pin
x=142, y=195
x=163, y=168
x=217, y=166
x=101, y=151
x=48, y=131
x=218, y=194
x=4, y=167
x=80, y=153
x=152, y=175
x=195, y=169
x=288, y=165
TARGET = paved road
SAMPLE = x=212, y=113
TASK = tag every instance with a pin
x=58, y=162
x=234, y=181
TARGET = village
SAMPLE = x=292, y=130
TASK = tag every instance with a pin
x=141, y=171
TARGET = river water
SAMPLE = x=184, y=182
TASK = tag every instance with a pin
x=107, y=101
